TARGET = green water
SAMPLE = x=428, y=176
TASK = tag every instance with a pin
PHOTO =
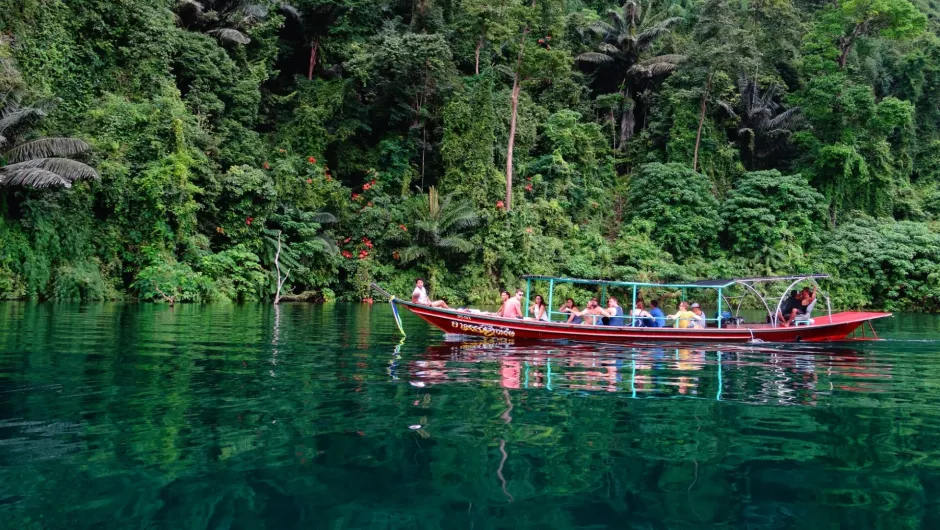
x=226, y=417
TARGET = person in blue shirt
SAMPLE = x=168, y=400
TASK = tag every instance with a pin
x=615, y=312
x=659, y=318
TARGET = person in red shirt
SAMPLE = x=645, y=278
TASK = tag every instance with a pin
x=512, y=305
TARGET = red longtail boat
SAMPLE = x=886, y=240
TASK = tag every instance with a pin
x=724, y=328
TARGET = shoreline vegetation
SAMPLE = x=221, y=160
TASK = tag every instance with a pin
x=251, y=150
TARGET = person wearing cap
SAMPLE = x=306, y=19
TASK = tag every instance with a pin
x=683, y=316
x=698, y=321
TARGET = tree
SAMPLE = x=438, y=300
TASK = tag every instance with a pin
x=39, y=162
x=630, y=34
x=893, y=19
x=677, y=205
x=764, y=127
x=438, y=230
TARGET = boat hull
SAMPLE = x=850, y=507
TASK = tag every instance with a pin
x=838, y=327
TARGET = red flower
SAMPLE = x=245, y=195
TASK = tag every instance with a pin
x=500, y=205
x=347, y=240
x=311, y=160
x=267, y=166
x=248, y=220
x=403, y=228
x=366, y=186
x=369, y=203
x=347, y=254
x=541, y=41
x=372, y=182
x=355, y=196
x=309, y=181
x=395, y=255
x=528, y=187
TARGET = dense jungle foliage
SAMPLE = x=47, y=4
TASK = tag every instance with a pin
x=161, y=149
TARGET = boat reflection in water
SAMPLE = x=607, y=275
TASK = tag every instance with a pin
x=797, y=375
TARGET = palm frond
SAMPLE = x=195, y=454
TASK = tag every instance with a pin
x=668, y=58
x=69, y=170
x=251, y=13
x=15, y=119
x=599, y=27
x=727, y=107
x=291, y=11
x=595, y=58
x=456, y=243
x=196, y=7
x=412, y=253
x=323, y=218
x=608, y=48
x=230, y=35
x=47, y=147
x=652, y=70
x=786, y=119
x=646, y=38
x=328, y=245
x=31, y=177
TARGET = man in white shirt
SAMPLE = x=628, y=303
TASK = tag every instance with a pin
x=420, y=296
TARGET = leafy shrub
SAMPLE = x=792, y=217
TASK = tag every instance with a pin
x=679, y=204
x=766, y=208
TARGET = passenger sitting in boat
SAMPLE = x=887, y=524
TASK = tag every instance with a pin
x=795, y=305
x=538, y=309
x=420, y=296
x=593, y=313
x=642, y=317
x=512, y=305
x=659, y=318
x=615, y=313
x=572, y=308
x=698, y=321
x=683, y=316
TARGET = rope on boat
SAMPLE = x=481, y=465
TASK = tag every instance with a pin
x=391, y=301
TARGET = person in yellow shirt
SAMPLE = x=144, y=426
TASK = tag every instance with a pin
x=683, y=316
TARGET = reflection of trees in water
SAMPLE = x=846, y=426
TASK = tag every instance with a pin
x=176, y=425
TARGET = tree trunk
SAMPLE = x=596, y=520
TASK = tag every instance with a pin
x=514, y=99
x=701, y=122
x=627, y=119
x=277, y=266
x=516, y=89
x=313, y=58
x=476, y=56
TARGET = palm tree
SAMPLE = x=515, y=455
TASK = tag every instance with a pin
x=764, y=126
x=631, y=33
x=437, y=226
x=39, y=162
x=225, y=19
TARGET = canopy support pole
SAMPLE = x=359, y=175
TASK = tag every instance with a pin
x=528, y=289
x=604, y=296
x=551, y=293
x=633, y=308
x=719, y=308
